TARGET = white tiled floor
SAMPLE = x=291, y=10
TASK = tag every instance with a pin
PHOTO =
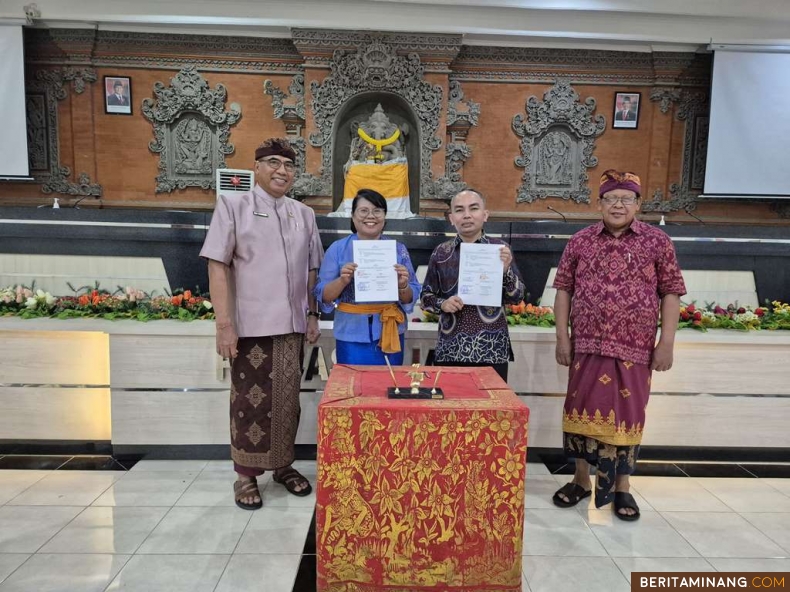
x=172, y=525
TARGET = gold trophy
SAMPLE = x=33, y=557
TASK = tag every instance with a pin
x=416, y=378
x=415, y=390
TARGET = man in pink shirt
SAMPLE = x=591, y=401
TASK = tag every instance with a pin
x=264, y=251
x=613, y=279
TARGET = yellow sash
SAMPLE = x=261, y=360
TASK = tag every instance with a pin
x=391, y=316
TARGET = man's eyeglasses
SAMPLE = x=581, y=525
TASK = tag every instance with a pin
x=365, y=212
x=626, y=201
x=276, y=163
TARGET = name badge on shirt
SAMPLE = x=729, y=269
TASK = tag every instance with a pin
x=261, y=214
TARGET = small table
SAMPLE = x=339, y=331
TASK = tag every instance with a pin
x=420, y=494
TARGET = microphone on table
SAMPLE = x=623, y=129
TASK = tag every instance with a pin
x=564, y=219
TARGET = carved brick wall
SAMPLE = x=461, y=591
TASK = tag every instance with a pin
x=80, y=149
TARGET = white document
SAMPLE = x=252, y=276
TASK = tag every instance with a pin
x=480, y=274
x=375, y=279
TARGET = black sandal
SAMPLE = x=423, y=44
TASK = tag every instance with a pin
x=574, y=492
x=242, y=489
x=624, y=500
x=290, y=478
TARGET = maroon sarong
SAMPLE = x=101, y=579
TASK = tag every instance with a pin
x=604, y=416
x=264, y=402
x=606, y=399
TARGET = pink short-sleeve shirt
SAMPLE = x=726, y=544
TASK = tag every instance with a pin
x=270, y=244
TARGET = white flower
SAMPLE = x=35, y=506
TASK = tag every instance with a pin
x=49, y=299
x=746, y=317
x=40, y=294
x=31, y=303
x=207, y=304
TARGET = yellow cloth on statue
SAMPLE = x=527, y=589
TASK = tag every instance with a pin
x=391, y=316
x=390, y=179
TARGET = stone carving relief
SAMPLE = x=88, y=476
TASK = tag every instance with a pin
x=459, y=109
x=693, y=108
x=374, y=67
x=537, y=65
x=191, y=130
x=456, y=154
x=174, y=51
x=290, y=108
x=665, y=96
x=193, y=147
x=462, y=115
x=378, y=127
x=77, y=76
x=42, y=93
x=557, y=143
x=38, y=151
x=314, y=43
x=83, y=187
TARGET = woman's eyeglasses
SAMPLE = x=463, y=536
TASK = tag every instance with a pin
x=365, y=212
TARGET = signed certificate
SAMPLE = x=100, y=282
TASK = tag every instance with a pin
x=480, y=274
x=376, y=279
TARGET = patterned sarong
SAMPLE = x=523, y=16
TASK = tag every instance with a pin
x=604, y=416
x=264, y=402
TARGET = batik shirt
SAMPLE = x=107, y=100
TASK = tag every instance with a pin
x=475, y=334
x=616, y=284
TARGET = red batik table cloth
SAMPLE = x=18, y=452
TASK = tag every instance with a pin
x=420, y=494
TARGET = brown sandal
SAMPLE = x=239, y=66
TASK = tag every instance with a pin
x=242, y=489
x=290, y=478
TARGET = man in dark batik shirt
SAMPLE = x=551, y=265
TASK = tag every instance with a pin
x=617, y=275
x=469, y=335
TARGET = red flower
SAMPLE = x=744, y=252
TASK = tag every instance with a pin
x=84, y=300
x=741, y=310
x=719, y=310
x=696, y=323
x=176, y=300
x=187, y=294
x=698, y=316
x=691, y=308
x=684, y=315
x=759, y=311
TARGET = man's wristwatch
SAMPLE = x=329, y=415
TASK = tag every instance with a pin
x=314, y=313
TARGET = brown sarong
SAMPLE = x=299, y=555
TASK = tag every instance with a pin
x=264, y=402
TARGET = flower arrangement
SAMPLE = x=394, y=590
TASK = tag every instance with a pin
x=528, y=314
x=771, y=317
x=94, y=302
